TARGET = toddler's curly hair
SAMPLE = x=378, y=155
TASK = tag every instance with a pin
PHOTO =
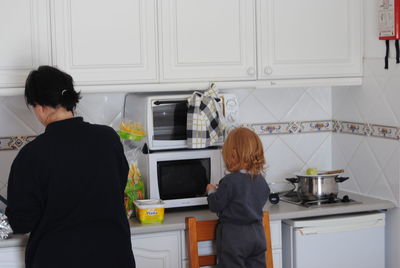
x=243, y=149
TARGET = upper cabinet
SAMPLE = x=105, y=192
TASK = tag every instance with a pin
x=25, y=39
x=309, y=38
x=106, y=42
x=125, y=42
x=207, y=40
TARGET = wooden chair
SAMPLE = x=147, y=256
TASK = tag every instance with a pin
x=198, y=231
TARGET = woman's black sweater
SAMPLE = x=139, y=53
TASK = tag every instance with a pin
x=66, y=188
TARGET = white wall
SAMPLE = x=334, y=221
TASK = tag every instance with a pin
x=372, y=163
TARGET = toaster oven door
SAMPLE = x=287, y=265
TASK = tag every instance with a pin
x=168, y=124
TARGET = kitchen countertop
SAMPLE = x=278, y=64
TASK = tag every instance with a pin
x=175, y=220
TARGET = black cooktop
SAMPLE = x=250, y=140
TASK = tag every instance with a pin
x=292, y=197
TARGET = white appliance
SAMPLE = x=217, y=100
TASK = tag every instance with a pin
x=180, y=177
x=164, y=116
x=344, y=241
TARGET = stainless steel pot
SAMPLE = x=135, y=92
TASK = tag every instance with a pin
x=317, y=187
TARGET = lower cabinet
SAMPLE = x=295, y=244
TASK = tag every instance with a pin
x=12, y=257
x=157, y=250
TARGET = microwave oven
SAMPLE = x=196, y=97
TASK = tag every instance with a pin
x=180, y=177
x=164, y=117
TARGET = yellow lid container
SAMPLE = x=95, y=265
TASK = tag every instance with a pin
x=150, y=210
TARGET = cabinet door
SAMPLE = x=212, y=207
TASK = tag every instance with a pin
x=207, y=40
x=106, y=42
x=12, y=257
x=157, y=250
x=25, y=39
x=277, y=258
x=309, y=38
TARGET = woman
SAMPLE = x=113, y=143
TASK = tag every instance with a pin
x=66, y=186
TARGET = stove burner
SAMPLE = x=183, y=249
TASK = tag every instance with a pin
x=293, y=198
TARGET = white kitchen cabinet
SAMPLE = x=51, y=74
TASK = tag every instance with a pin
x=207, y=40
x=157, y=249
x=208, y=247
x=12, y=257
x=106, y=42
x=25, y=39
x=276, y=239
x=309, y=38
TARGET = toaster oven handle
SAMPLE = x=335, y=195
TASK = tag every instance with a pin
x=169, y=101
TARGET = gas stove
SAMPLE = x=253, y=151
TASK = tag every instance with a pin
x=292, y=197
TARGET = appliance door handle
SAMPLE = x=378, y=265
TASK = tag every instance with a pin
x=340, y=228
x=169, y=102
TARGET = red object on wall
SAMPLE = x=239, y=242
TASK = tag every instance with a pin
x=389, y=19
x=389, y=26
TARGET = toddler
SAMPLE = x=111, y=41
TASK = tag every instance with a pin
x=238, y=201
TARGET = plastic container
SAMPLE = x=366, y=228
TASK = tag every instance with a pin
x=150, y=210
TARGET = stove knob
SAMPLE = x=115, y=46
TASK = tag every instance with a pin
x=346, y=199
x=274, y=198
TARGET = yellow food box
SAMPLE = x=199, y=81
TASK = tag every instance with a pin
x=150, y=210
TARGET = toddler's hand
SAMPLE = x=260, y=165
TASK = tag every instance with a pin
x=211, y=188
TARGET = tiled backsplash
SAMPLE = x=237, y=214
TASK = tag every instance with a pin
x=373, y=164
x=285, y=153
x=369, y=111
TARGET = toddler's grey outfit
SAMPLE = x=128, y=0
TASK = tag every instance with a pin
x=239, y=203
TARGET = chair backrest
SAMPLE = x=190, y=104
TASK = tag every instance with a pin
x=198, y=231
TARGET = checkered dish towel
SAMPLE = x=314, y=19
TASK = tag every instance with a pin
x=205, y=120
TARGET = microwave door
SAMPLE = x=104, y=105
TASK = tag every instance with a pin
x=169, y=119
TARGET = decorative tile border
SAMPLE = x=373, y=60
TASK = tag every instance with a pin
x=366, y=129
x=14, y=143
x=292, y=127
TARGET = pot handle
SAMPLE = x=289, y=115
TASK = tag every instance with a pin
x=293, y=180
x=341, y=179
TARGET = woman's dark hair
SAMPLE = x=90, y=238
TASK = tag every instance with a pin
x=48, y=86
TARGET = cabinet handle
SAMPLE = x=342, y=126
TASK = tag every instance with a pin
x=251, y=71
x=268, y=70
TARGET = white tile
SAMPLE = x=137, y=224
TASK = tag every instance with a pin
x=382, y=190
x=322, y=157
x=347, y=144
x=364, y=167
x=17, y=105
x=392, y=95
x=344, y=107
x=268, y=140
x=11, y=125
x=338, y=159
x=375, y=68
x=383, y=149
x=282, y=161
x=278, y=101
x=371, y=103
x=241, y=94
x=391, y=171
x=306, y=109
x=351, y=184
x=323, y=96
x=252, y=111
x=101, y=108
x=305, y=145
